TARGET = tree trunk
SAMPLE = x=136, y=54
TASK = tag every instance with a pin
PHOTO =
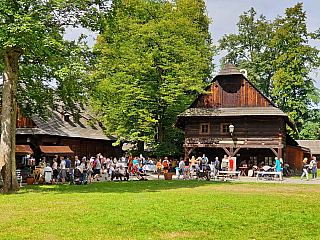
x=140, y=146
x=160, y=132
x=8, y=119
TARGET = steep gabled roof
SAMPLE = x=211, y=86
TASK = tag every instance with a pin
x=232, y=94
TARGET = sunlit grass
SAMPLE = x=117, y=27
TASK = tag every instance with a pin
x=162, y=210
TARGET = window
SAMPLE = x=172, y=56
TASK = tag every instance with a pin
x=204, y=129
x=224, y=127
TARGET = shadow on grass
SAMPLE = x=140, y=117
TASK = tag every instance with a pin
x=116, y=187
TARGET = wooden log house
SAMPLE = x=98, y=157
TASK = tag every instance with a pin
x=62, y=135
x=231, y=99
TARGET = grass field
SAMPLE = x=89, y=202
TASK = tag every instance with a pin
x=162, y=210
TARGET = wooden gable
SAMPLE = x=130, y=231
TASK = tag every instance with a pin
x=231, y=89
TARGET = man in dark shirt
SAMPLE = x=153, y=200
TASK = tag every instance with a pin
x=68, y=166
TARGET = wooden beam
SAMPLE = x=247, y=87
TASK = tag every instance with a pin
x=188, y=151
x=279, y=153
x=275, y=152
x=236, y=151
x=226, y=150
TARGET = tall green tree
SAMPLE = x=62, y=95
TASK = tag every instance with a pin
x=278, y=58
x=153, y=57
x=36, y=62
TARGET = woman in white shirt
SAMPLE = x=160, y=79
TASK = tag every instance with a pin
x=63, y=170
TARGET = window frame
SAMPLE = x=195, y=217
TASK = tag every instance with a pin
x=200, y=129
x=221, y=128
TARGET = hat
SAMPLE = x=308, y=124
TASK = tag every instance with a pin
x=166, y=158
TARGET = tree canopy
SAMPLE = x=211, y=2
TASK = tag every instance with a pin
x=152, y=58
x=278, y=58
x=40, y=68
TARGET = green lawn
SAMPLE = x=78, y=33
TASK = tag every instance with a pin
x=162, y=210
x=309, y=175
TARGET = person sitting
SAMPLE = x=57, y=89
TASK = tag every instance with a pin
x=141, y=173
x=260, y=165
x=123, y=173
x=47, y=173
x=113, y=173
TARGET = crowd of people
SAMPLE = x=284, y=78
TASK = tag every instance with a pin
x=91, y=169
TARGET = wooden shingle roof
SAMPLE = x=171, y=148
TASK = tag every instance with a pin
x=57, y=126
x=236, y=112
x=313, y=145
x=232, y=112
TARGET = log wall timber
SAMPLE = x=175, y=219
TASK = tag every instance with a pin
x=251, y=131
x=235, y=91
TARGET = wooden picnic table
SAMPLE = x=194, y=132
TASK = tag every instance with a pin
x=243, y=171
x=269, y=173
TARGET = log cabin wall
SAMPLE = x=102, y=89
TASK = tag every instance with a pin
x=231, y=91
x=253, y=130
x=294, y=157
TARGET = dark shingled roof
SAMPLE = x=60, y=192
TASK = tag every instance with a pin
x=229, y=69
x=57, y=126
x=313, y=145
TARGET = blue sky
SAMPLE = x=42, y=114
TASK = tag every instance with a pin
x=225, y=15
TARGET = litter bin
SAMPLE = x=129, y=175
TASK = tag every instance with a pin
x=177, y=171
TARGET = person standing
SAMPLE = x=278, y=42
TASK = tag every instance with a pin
x=216, y=166
x=83, y=165
x=278, y=167
x=224, y=163
x=47, y=173
x=68, y=168
x=63, y=170
x=55, y=170
x=305, y=167
x=76, y=161
x=181, y=168
x=159, y=167
x=204, y=162
x=89, y=171
x=97, y=169
x=186, y=169
x=165, y=165
x=314, y=169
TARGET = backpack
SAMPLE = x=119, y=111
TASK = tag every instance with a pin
x=203, y=160
x=165, y=163
x=94, y=164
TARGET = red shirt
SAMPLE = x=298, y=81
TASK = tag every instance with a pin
x=231, y=163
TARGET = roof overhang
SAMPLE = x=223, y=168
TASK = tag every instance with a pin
x=23, y=150
x=234, y=112
x=56, y=150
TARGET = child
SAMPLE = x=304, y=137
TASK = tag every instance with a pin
x=159, y=166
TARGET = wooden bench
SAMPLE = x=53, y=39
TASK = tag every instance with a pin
x=269, y=174
x=228, y=173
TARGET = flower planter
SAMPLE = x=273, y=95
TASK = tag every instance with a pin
x=30, y=180
x=168, y=176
